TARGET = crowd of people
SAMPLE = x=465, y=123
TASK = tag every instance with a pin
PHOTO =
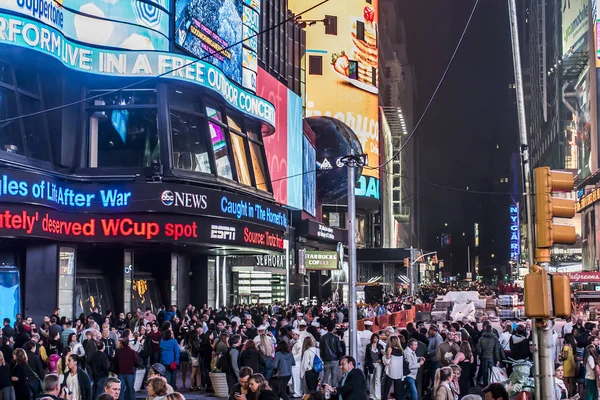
x=274, y=352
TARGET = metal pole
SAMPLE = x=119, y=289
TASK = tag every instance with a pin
x=410, y=273
x=352, y=317
x=469, y=260
x=548, y=386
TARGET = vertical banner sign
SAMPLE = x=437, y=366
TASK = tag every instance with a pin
x=515, y=241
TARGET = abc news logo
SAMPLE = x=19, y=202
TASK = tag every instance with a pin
x=186, y=200
x=222, y=232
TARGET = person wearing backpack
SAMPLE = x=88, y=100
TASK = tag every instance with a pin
x=312, y=365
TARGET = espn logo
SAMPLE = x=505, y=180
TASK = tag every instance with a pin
x=222, y=232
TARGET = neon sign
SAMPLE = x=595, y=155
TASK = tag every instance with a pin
x=26, y=187
x=515, y=241
x=22, y=32
x=37, y=221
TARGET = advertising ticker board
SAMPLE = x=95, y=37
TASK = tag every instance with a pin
x=25, y=187
x=25, y=33
x=36, y=221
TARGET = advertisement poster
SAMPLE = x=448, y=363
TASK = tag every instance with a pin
x=588, y=242
x=347, y=88
x=284, y=147
x=582, y=125
x=574, y=26
x=10, y=293
x=212, y=29
x=132, y=25
x=309, y=164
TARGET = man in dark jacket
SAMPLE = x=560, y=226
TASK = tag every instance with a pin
x=329, y=344
x=98, y=365
x=519, y=344
x=7, y=330
x=35, y=372
x=488, y=349
x=126, y=360
x=353, y=385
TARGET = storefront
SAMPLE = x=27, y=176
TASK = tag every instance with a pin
x=320, y=255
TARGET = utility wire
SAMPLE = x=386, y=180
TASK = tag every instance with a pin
x=74, y=103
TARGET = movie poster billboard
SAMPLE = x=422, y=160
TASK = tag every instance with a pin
x=213, y=30
x=581, y=127
x=342, y=72
x=574, y=27
x=588, y=239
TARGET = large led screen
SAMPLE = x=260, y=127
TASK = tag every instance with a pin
x=341, y=81
x=214, y=30
x=122, y=24
x=309, y=182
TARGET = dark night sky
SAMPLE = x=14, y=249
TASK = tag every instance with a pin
x=472, y=114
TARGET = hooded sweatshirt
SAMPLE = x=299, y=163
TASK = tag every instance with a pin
x=519, y=347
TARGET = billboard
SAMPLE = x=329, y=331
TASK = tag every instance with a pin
x=515, y=238
x=284, y=148
x=321, y=260
x=581, y=127
x=133, y=25
x=211, y=29
x=345, y=87
x=588, y=239
x=309, y=177
x=574, y=27
x=26, y=33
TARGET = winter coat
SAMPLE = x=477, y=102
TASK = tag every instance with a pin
x=488, y=347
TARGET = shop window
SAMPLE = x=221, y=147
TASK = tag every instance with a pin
x=123, y=130
x=20, y=95
x=241, y=161
x=92, y=292
x=258, y=164
x=66, y=281
x=219, y=143
x=190, y=150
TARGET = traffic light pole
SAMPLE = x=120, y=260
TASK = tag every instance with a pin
x=548, y=387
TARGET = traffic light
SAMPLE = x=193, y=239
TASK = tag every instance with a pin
x=561, y=295
x=537, y=294
x=548, y=207
x=406, y=262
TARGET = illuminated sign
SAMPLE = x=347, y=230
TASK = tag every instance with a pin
x=515, y=240
x=347, y=87
x=321, y=260
x=317, y=230
x=38, y=221
x=216, y=29
x=588, y=200
x=476, y=236
x=24, y=33
x=263, y=238
x=132, y=25
x=27, y=187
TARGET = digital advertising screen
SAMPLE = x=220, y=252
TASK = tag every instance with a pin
x=347, y=87
x=213, y=30
x=309, y=165
x=132, y=25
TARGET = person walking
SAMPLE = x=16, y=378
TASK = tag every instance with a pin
x=567, y=357
x=329, y=346
x=374, y=366
x=393, y=368
x=307, y=370
x=590, y=373
x=169, y=357
x=98, y=366
x=464, y=359
x=284, y=362
x=77, y=380
x=488, y=349
x=126, y=361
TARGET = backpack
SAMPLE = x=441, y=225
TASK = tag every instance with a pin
x=317, y=364
x=53, y=362
x=224, y=361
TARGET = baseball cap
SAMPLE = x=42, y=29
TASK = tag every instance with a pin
x=302, y=323
x=159, y=369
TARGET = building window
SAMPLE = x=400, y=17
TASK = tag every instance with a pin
x=258, y=165
x=66, y=281
x=20, y=94
x=188, y=133
x=360, y=30
x=219, y=144
x=315, y=65
x=241, y=161
x=330, y=25
x=123, y=129
x=374, y=76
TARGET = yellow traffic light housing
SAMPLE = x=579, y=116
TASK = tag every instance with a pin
x=561, y=295
x=537, y=294
x=548, y=207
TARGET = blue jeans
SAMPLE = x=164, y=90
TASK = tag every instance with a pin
x=411, y=387
x=486, y=368
x=98, y=388
x=171, y=377
x=127, y=389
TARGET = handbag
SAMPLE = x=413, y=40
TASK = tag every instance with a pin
x=498, y=375
x=195, y=361
x=39, y=381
